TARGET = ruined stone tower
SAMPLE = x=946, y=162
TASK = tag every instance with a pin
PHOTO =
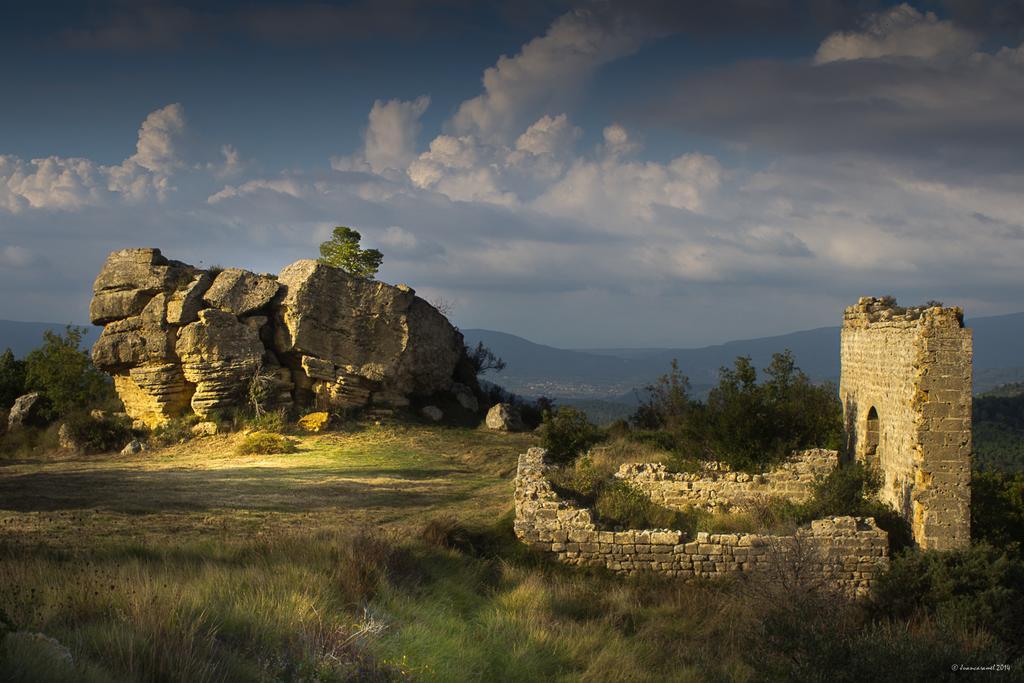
x=906, y=393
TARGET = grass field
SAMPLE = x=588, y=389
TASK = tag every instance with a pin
x=379, y=553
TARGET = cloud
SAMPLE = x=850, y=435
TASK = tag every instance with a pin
x=546, y=72
x=147, y=26
x=17, y=257
x=389, y=141
x=901, y=31
x=69, y=184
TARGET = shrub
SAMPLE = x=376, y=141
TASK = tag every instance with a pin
x=12, y=379
x=618, y=504
x=315, y=422
x=567, y=433
x=667, y=403
x=65, y=373
x=343, y=251
x=274, y=422
x=979, y=587
x=265, y=443
x=176, y=430
x=997, y=509
x=99, y=434
x=851, y=489
x=447, y=532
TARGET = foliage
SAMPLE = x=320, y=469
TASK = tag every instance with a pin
x=746, y=423
x=99, y=434
x=315, y=422
x=482, y=359
x=997, y=509
x=343, y=251
x=12, y=379
x=980, y=587
x=615, y=503
x=265, y=443
x=260, y=390
x=851, y=489
x=667, y=404
x=176, y=430
x=274, y=421
x=566, y=433
x=998, y=422
x=65, y=373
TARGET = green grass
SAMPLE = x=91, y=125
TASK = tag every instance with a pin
x=193, y=563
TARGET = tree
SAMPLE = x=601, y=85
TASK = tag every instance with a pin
x=64, y=373
x=342, y=251
x=483, y=359
x=12, y=379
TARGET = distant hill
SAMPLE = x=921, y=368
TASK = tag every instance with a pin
x=22, y=337
x=613, y=374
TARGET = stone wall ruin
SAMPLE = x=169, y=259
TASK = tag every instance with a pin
x=842, y=554
x=180, y=339
x=906, y=394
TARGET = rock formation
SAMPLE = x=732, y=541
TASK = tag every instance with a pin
x=179, y=339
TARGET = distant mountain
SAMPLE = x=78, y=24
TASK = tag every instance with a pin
x=613, y=374
x=23, y=337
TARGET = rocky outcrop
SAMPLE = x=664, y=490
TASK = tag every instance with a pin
x=503, y=417
x=27, y=410
x=180, y=339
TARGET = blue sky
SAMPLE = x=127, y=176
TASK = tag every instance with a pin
x=579, y=173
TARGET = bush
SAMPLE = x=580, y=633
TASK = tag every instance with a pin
x=851, y=489
x=747, y=424
x=99, y=434
x=176, y=430
x=980, y=587
x=997, y=509
x=12, y=379
x=65, y=373
x=566, y=433
x=274, y=422
x=265, y=443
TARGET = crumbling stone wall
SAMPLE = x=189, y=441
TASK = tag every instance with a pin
x=717, y=488
x=906, y=393
x=844, y=554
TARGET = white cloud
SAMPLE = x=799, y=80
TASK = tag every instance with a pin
x=545, y=72
x=69, y=184
x=282, y=186
x=16, y=257
x=901, y=31
x=389, y=141
x=156, y=150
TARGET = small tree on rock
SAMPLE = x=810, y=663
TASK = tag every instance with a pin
x=343, y=251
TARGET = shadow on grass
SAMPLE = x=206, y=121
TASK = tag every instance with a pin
x=248, y=488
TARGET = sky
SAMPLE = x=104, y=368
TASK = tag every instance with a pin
x=580, y=173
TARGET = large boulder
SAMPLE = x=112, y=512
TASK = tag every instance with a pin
x=220, y=356
x=178, y=339
x=27, y=411
x=358, y=339
x=241, y=292
x=503, y=417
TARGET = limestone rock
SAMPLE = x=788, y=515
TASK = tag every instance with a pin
x=204, y=429
x=432, y=413
x=66, y=438
x=133, y=447
x=184, y=305
x=129, y=279
x=153, y=393
x=178, y=340
x=465, y=397
x=240, y=292
x=504, y=417
x=219, y=355
x=26, y=411
x=380, y=339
